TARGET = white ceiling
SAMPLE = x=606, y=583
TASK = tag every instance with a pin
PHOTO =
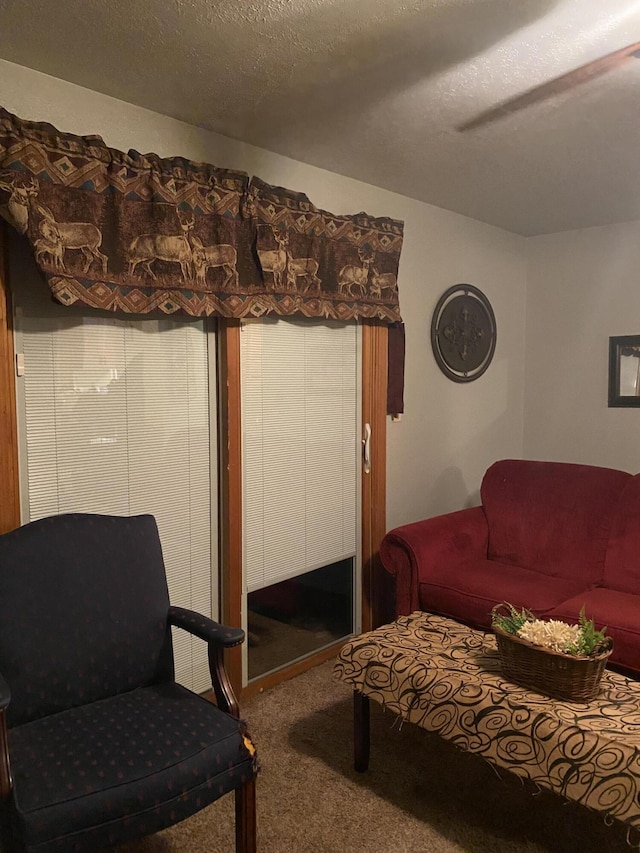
x=374, y=89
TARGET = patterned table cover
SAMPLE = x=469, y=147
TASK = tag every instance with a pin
x=446, y=678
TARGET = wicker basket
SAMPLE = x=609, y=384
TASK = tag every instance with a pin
x=562, y=676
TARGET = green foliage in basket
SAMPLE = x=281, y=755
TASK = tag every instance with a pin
x=587, y=638
x=512, y=621
x=590, y=639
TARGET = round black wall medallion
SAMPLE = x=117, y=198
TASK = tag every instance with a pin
x=463, y=333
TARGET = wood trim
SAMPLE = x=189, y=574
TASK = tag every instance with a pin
x=284, y=674
x=6, y=782
x=287, y=672
x=10, y=488
x=361, y=731
x=374, y=484
x=229, y=413
x=374, y=408
x=246, y=830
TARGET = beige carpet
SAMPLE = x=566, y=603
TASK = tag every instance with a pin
x=420, y=795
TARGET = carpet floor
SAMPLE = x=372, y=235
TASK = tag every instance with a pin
x=420, y=795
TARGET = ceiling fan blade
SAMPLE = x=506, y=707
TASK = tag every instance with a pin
x=555, y=87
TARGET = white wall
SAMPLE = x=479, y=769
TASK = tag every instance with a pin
x=450, y=432
x=582, y=287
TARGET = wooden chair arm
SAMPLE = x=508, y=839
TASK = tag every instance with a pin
x=218, y=638
x=205, y=628
x=6, y=782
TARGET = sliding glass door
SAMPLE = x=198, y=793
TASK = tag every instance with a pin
x=300, y=461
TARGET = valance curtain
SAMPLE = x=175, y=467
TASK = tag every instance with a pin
x=138, y=233
x=343, y=267
x=127, y=232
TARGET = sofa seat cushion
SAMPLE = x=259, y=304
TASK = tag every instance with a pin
x=619, y=611
x=123, y=766
x=469, y=591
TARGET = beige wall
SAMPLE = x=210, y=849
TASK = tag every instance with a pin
x=450, y=432
x=583, y=287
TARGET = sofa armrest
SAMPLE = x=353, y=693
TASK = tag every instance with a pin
x=408, y=551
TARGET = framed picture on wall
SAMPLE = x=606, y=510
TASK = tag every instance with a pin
x=624, y=370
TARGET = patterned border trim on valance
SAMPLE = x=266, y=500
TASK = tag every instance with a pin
x=139, y=233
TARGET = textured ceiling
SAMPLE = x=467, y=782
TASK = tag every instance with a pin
x=375, y=89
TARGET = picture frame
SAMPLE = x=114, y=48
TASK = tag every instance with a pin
x=624, y=371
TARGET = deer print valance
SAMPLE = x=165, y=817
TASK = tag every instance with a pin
x=343, y=267
x=125, y=231
x=138, y=233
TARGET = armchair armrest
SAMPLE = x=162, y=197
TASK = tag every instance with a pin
x=218, y=638
x=205, y=628
x=408, y=551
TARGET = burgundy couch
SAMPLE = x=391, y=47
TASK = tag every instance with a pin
x=549, y=536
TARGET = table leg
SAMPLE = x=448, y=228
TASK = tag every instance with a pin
x=361, y=731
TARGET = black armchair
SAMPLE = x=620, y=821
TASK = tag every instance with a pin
x=98, y=743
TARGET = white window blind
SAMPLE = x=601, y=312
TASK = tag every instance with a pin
x=300, y=447
x=117, y=422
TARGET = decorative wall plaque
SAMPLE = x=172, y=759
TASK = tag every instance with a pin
x=463, y=333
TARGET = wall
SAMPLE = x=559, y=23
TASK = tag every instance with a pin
x=582, y=288
x=450, y=432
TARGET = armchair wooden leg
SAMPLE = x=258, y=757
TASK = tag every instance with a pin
x=361, y=731
x=246, y=817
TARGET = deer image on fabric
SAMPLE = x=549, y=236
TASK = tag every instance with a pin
x=49, y=252
x=307, y=268
x=274, y=261
x=218, y=255
x=171, y=248
x=351, y=275
x=56, y=237
x=381, y=282
x=16, y=210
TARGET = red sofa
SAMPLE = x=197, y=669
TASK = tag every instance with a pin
x=549, y=536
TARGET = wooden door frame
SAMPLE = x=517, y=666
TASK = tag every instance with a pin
x=230, y=452
x=374, y=484
x=374, y=407
x=9, y=478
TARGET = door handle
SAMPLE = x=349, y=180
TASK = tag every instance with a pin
x=366, y=454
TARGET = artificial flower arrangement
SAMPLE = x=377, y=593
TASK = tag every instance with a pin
x=548, y=656
x=581, y=640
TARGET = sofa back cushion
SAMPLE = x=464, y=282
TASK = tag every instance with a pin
x=552, y=517
x=622, y=563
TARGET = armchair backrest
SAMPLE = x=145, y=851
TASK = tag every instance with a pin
x=83, y=611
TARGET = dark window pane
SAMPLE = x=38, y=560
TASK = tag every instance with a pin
x=294, y=618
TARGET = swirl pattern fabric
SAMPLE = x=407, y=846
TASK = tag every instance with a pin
x=446, y=678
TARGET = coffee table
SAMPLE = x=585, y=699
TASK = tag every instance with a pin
x=446, y=678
